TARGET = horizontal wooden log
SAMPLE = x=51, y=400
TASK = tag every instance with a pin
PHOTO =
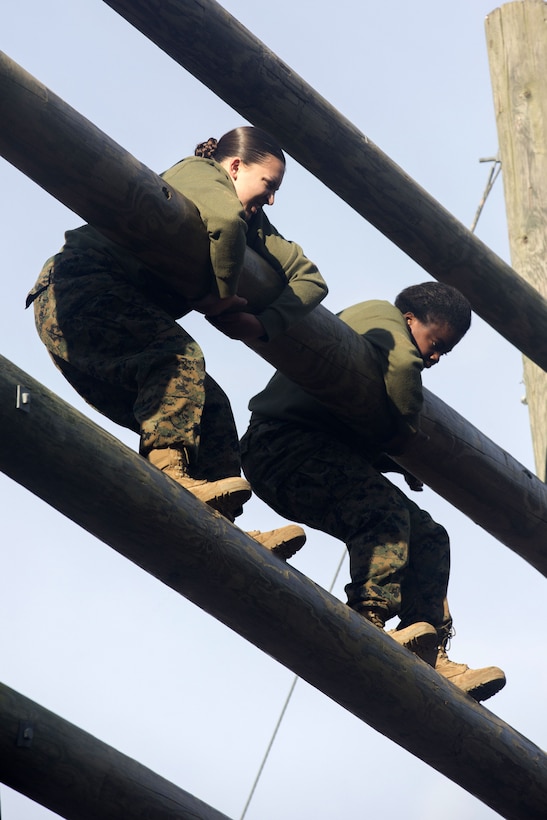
x=73, y=774
x=91, y=477
x=321, y=353
x=207, y=41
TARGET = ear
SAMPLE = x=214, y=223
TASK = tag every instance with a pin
x=409, y=316
x=234, y=166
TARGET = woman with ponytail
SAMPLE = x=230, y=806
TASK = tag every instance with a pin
x=114, y=335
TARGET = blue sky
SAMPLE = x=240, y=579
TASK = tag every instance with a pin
x=93, y=638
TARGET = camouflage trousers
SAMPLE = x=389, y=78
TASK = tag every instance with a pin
x=130, y=360
x=399, y=556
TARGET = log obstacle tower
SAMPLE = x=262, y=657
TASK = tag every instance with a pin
x=220, y=569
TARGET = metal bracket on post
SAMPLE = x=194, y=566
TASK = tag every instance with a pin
x=22, y=401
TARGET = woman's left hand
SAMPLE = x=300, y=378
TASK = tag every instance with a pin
x=243, y=326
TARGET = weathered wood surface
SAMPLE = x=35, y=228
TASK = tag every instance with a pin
x=69, y=156
x=91, y=174
x=516, y=35
x=79, y=777
x=321, y=353
x=219, y=51
x=332, y=362
x=92, y=478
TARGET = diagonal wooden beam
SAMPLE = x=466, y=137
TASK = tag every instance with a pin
x=210, y=43
x=334, y=364
x=327, y=358
x=79, y=777
x=94, y=176
x=91, y=477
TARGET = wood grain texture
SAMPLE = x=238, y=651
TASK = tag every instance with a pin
x=207, y=41
x=91, y=477
x=332, y=362
x=516, y=35
x=326, y=357
x=87, y=171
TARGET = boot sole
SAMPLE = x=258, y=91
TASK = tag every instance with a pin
x=289, y=548
x=486, y=690
x=227, y=503
x=294, y=541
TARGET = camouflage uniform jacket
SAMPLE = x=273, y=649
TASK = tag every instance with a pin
x=399, y=365
x=205, y=183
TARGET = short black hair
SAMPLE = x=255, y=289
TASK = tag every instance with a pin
x=436, y=302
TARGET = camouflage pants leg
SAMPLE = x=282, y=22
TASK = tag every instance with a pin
x=131, y=361
x=399, y=557
x=218, y=455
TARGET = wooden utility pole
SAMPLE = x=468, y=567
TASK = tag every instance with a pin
x=517, y=50
x=115, y=494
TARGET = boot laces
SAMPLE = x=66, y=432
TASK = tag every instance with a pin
x=446, y=641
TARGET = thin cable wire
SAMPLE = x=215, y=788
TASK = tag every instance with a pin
x=284, y=709
x=493, y=175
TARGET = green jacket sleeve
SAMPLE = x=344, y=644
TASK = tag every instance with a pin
x=403, y=382
x=205, y=183
x=305, y=286
x=384, y=326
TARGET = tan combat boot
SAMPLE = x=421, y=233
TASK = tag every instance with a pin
x=480, y=684
x=227, y=496
x=284, y=542
x=420, y=638
x=226, y=493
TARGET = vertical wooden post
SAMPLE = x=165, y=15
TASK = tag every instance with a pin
x=517, y=51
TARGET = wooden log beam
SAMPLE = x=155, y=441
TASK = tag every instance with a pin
x=41, y=135
x=333, y=363
x=516, y=35
x=321, y=353
x=79, y=777
x=91, y=174
x=91, y=477
x=206, y=40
